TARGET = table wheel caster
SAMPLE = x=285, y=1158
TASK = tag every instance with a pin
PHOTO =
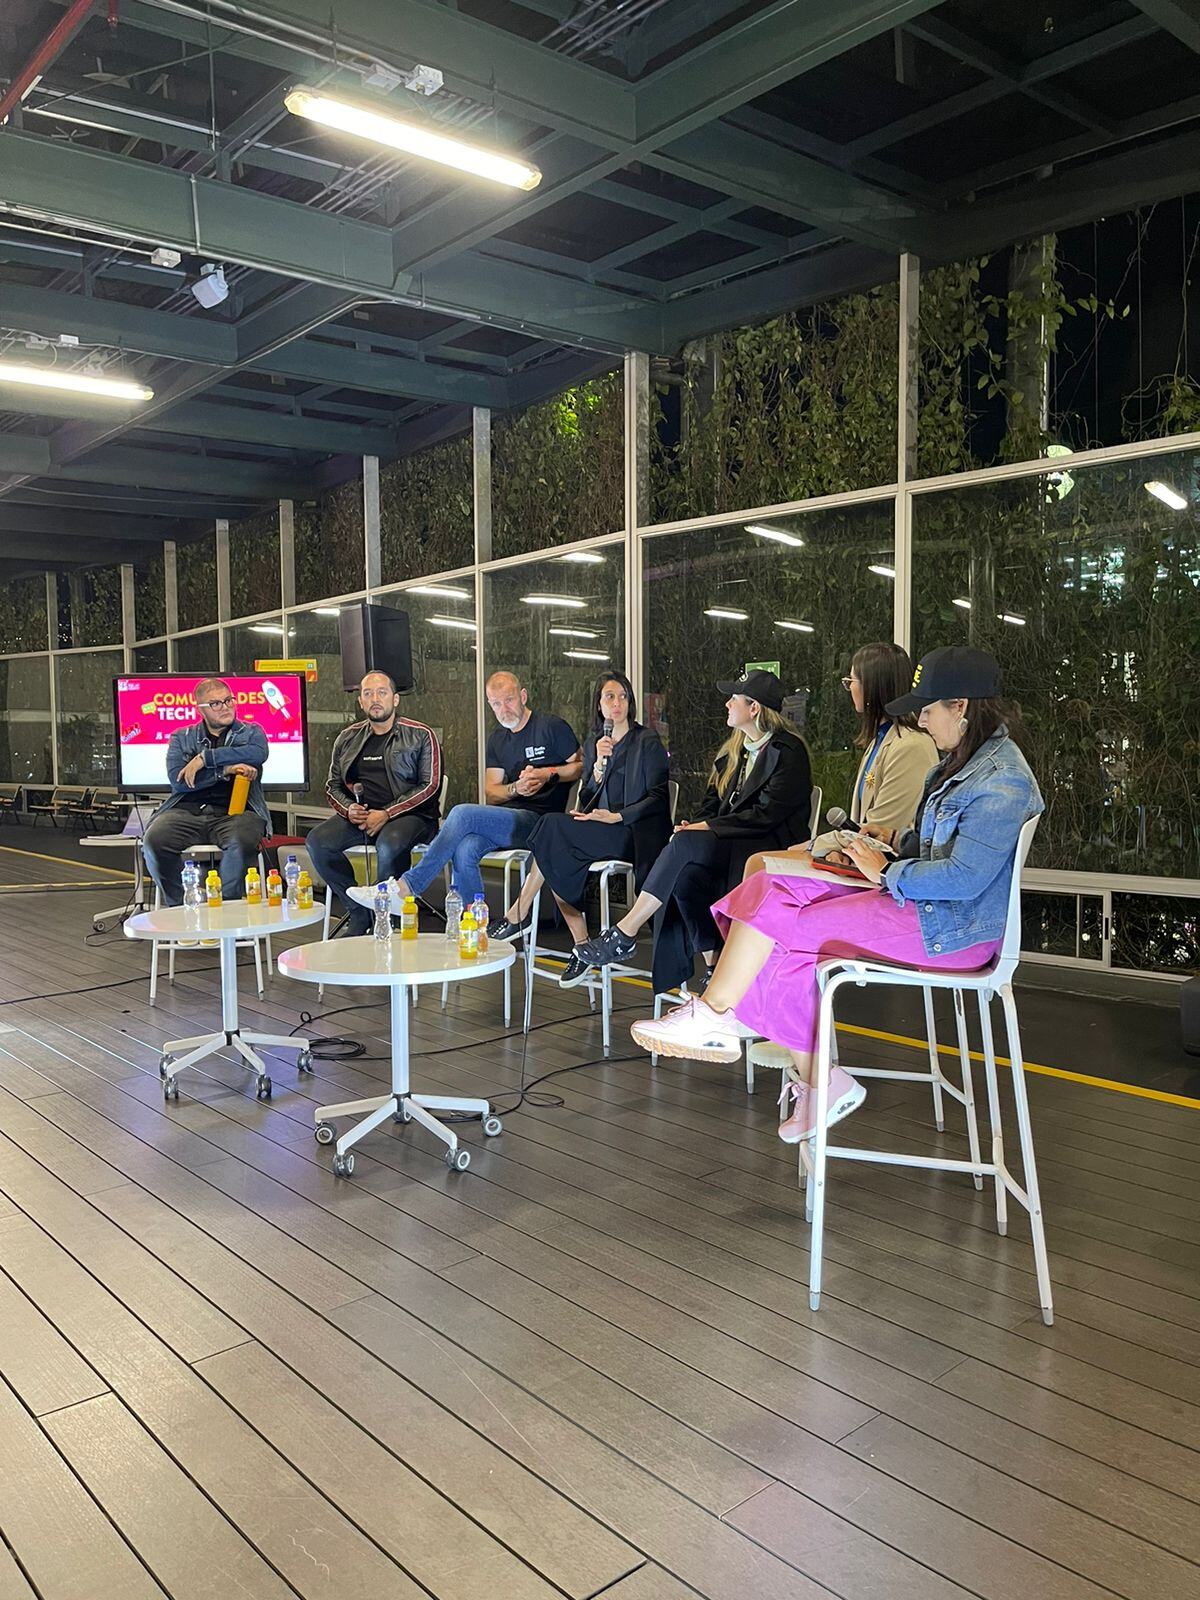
x=402, y=1113
x=304, y=1061
x=324, y=1133
x=458, y=1160
x=165, y=1065
x=171, y=1087
x=343, y=1166
x=492, y=1126
x=262, y=1088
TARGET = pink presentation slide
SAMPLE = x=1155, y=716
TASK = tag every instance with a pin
x=149, y=710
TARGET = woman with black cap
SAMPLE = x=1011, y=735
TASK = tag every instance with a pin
x=758, y=797
x=941, y=901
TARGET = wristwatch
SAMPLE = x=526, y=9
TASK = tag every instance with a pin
x=512, y=789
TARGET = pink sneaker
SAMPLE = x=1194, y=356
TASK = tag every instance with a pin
x=845, y=1097
x=693, y=1031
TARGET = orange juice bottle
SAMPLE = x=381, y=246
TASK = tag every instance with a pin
x=212, y=890
x=274, y=888
x=253, y=887
x=304, y=892
x=468, y=938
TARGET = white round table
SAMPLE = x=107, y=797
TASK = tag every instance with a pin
x=228, y=923
x=121, y=841
x=400, y=965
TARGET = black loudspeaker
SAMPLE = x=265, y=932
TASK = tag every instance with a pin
x=375, y=639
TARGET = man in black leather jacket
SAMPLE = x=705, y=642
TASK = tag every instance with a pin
x=385, y=779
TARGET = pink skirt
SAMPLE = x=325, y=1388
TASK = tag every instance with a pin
x=809, y=921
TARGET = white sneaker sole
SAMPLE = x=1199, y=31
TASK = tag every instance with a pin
x=683, y=1049
x=845, y=1106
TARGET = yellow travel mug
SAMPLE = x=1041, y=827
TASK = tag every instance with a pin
x=241, y=790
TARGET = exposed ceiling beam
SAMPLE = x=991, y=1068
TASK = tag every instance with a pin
x=51, y=551
x=1180, y=17
x=167, y=469
x=67, y=525
x=105, y=498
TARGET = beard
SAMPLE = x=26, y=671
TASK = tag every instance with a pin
x=511, y=723
x=379, y=715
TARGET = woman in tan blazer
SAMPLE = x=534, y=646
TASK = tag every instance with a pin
x=896, y=754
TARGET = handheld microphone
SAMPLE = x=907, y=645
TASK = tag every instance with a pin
x=608, y=729
x=356, y=789
x=837, y=818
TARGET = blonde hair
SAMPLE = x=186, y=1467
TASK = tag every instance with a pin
x=770, y=722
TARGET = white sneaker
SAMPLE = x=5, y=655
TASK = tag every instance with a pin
x=692, y=1031
x=364, y=895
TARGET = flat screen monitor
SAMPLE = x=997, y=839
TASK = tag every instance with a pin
x=148, y=710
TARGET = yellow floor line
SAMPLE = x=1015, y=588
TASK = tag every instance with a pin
x=35, y=888
x=84, y=866
x=922, y=1045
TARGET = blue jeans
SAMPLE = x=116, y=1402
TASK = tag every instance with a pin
x=468, y=834
x=329, y=840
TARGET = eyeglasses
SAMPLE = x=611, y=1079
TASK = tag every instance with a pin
x=217, y=705
x=847, y=683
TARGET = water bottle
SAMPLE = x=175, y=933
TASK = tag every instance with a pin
x=291, y=876
x=479, y=910
x=383, y=913
x=454, y=911
x=193, y=897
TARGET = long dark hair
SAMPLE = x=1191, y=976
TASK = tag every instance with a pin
x=597, y=714
x=885, y=671
x=983, y=718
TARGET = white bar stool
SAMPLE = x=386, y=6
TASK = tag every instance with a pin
x=992, y=981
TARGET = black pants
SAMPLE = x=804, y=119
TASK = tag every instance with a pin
x=565, y=848
x=172, y=832
x=329, y=841
x=692, y=872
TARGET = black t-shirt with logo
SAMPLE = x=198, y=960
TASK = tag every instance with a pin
x=217, y=795
x=368, y=769
x=544, y=741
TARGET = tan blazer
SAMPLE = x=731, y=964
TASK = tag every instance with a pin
x=896, y=780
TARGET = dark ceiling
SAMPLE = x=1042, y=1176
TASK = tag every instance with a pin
x=705, y=163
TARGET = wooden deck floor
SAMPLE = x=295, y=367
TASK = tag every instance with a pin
x=584, y=1367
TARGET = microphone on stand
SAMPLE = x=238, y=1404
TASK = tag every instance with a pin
x=608, y=729
x=356, y=789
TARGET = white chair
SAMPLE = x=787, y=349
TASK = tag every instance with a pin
x=992, y=981
x=212, y=854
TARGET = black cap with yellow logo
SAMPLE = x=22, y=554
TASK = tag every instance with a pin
x=955, y=672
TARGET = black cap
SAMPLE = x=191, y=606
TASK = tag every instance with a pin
x=955, y=672
x=764, y=687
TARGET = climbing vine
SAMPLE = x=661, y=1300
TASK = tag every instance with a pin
x=254, y=564
x=426, y=512
x=328, y=543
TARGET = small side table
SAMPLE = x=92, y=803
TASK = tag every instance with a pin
x=399, y=965
x=228, y=923
x=121, y=841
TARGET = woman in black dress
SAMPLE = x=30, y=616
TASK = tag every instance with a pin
x=623, y=813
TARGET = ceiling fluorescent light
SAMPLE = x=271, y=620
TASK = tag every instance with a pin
x=763, y=530
x=440, y=591
x=963, y=605
x=881, y=571
x=414, y=137
x=573, y=633
x=267, y=627
x=794, y=627
x=584, y=557
x=327, y=611
x=554, y=600
x=726, y=615
x=453, y=622
x=73, y=382
x=1168, y=496
x=587, y=655
x=1008, y=616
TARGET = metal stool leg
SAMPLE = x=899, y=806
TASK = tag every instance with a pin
x=1028, y=1164
x=993, y=1098
x=935, y=1066
x=968, y=1085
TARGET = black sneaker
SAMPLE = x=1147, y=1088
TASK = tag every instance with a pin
x=502, y=928
x=575, y=971
x=705, y=980
x=608, y=947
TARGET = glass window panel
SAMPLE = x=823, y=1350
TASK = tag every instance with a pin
x=558, y=469
x=25, y=730
x=1156, y=933
x=328, y=543
x=149, y=597
x=196, y=581
x=443, y=651
x=557, y=649
x=254, y=578
x=1062, y=925
x=1087, y=588
x=426, y=512
x=801, y=607
x=150, y=657
x=250, y=641
x=330, y=708
x=23, y=613
x=84, y=715
x=198, y=652
x=89, y=607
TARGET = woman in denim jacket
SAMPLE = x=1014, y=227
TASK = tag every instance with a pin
x=940, y=902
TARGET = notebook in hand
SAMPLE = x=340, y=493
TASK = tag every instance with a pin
x=806, y=867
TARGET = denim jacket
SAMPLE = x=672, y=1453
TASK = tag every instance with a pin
x=956, y=865
x=245, y=742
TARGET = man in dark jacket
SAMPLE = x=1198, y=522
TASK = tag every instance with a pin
x=203, y=759
x=385, y=780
